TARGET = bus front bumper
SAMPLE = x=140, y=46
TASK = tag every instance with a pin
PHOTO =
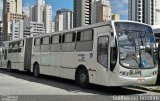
x=129, y=81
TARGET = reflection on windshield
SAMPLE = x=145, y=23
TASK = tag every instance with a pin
x=136, y=49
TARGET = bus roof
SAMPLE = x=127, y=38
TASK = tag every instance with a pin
x=79, y=28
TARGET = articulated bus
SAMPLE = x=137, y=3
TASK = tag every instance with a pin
x=113, y=53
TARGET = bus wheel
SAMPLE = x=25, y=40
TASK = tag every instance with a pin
x=36, y=70
x=9, y=67
x=82, y=78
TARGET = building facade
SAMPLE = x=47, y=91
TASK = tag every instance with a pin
x=145, y=11
x=53, y=26
x=101, y=10
x=32, y=28
x=12, y=6
x=12, y=10
x=82, y=12
x=47, y=18
x=63, y=20
x=7, y=19
x=116, y=17
x=17, y=29
x=42, y=13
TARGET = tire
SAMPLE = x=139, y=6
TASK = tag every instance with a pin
x=36, y=70
x=82, y=78
x=9, y=67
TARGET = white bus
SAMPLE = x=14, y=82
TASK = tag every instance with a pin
x=113, y=53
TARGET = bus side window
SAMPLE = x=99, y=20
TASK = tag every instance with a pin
x=36, y=47
x=84, y=40
x=55, y=43
x=102, y=51
x=45, y=44
x=37, y=42
x=14, y=47
x=45, y=40
x=69, y=42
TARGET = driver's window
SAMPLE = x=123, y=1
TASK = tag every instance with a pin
x=103, y=50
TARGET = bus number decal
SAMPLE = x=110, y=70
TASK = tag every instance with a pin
x=81, y=57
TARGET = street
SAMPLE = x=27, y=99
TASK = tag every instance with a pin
x=22, y=83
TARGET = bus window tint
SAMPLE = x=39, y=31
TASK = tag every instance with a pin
x=55, y=43
x=45, y=40
x=103, y=50
x=87, y=35
x=69, y=42
x=36, y=47
x=45, y=46
x=56, y=39
x=37, y=41
x=84, y=40
x=68, y=37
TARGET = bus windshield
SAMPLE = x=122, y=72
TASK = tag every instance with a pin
x=136, y=45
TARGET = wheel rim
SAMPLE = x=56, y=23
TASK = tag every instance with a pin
x=83, y=78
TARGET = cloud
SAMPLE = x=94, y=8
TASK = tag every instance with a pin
x=26, y=10
x=1, y=9
x=26, y=6
x=120, y=7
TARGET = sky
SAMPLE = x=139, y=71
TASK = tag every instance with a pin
x=118, y=6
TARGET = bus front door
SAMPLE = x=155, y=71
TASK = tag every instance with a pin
x=102, y=59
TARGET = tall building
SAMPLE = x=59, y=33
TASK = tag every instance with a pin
x=12, y=6
x=63, y=19
x=17, y=29
x=53, y=26
x=32, y=28
x=82, y=12
x=42, y=13
x=101, y=10
x=146, y=11
x=36, y=12
x=12, y=10
x=116, y=17
x=47, y=18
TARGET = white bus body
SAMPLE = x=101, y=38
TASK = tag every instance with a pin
x=90, y=54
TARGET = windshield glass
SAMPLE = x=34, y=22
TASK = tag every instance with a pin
x=136, y=45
